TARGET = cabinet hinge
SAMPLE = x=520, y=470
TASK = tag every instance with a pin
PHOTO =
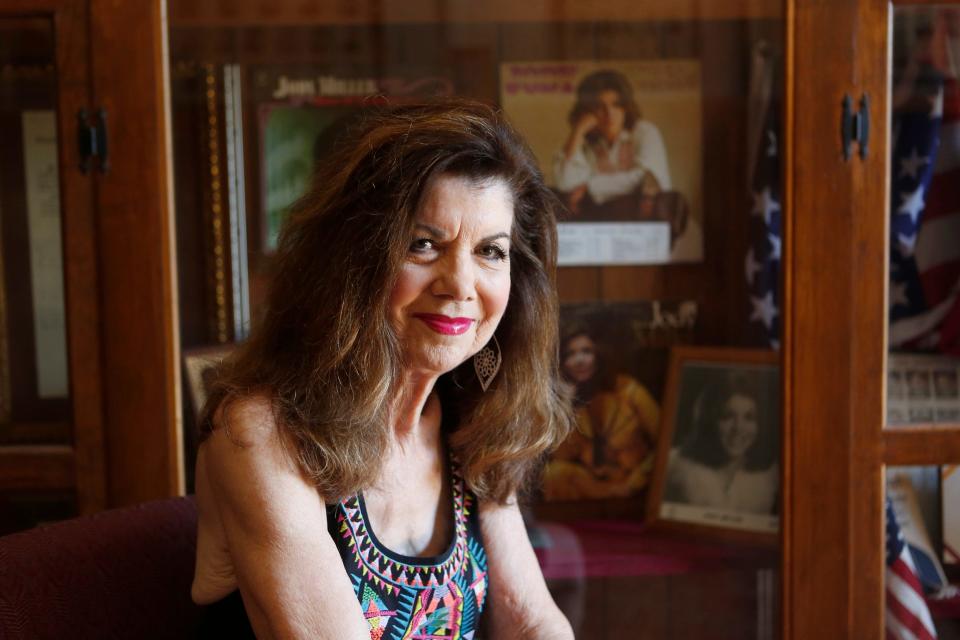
x=855, y=126
x=92, y=140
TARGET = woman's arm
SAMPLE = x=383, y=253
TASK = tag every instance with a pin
x=288, y=568
x=650, y=170
x=571, y=170
x=521, y=607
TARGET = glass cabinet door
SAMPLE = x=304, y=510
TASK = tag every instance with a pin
x=50, y=422
x=659, y=127
x=922, y=418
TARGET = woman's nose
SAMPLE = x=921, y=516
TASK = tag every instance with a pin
x=456, y=278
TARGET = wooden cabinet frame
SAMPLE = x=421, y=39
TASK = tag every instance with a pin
x=834, y=332
x=128, y=437
x=123, y=350
x=835, y=338
x=80, y=465
x=835, y=256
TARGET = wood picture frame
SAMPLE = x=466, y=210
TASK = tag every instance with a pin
x=199, y=365
x=696, y=486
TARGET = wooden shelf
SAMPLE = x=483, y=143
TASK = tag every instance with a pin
x=39, y=432
x=275, y=13
x=39, y=467
x=922, y=445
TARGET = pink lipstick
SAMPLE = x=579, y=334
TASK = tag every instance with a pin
x=445, y=324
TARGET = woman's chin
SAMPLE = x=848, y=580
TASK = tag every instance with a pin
x=437, y=362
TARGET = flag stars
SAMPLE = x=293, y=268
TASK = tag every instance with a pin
x=764, y=205
x=898, y=294
x=912, y=204
x=764, y=310
x=936, y=108
x=775, y=243
x=906, y=244
x=911, y=165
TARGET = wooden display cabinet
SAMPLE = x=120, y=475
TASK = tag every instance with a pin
x=834, y=253
x=835, y=234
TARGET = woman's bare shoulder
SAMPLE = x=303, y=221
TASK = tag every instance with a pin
x=252, y=464
x=246, y=420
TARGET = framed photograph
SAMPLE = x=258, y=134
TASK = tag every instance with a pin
x=614, y=358
x=718, y=469
x=922, y=389
x=619, y=141
x=200, y=366
x=35, y=404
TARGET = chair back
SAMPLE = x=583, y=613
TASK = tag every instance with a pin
x=123, y=573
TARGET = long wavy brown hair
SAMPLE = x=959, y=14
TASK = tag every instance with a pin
x=324, y=351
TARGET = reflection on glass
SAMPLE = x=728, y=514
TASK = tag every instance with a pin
x=34, y=385
x=924, y=294
x=669, y=239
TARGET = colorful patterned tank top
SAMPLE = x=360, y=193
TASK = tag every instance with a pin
x=405, y=597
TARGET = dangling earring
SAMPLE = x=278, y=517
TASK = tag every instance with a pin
x=487, y=362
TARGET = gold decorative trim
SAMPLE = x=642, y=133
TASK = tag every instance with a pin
x=214, y=162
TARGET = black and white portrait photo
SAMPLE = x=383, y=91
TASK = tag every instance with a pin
x=721, y=464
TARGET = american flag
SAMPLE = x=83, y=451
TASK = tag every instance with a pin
x=762, y=264
x=907, y=615
x=925, y=215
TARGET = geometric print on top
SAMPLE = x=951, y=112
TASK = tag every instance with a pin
x=416, y=598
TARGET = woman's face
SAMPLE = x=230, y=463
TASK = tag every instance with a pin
x=580, y=359
x=610, y=114
x=454, y=284
x=738, y=425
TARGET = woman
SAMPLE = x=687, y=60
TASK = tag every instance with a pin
x=729, y=459
x=365, y=447
x=611, y=151
x=611, y=452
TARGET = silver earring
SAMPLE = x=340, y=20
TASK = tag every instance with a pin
x=487, y=362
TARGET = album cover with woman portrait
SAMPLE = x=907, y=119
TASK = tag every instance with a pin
x=613, y=357
x=301, y=113
x=718, y=463
x=620, y=144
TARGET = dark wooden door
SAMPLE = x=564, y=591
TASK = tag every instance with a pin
x=53, y=418
x=89, y=375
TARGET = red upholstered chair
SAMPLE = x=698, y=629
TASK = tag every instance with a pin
x=123, y=573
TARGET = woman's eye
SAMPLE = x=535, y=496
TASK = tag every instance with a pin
x=421, y=245
x=493, y=252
